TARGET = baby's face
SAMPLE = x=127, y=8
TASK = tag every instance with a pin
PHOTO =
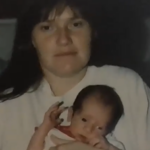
x=91, y=121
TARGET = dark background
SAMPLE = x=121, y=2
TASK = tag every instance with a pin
x=11, y=8
x=134, y=17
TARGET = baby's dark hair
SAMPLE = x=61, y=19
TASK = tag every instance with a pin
x=106, y=96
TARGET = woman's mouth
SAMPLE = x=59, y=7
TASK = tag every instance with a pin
x=65, y=54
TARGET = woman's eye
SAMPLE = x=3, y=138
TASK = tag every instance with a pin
x=84, y=120
x=45, y=27
x=77, y=24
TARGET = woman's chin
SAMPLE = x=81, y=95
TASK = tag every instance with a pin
x=67, y=71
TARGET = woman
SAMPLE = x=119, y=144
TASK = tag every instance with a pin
x=52, y=60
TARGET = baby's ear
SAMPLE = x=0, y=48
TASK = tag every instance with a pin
x=70, y=113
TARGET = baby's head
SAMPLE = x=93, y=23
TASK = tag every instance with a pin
x=96, y=109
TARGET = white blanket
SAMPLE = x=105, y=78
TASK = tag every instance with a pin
x=48, y=143
x=56, y=132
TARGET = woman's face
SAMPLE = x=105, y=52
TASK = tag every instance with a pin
x=62, y=43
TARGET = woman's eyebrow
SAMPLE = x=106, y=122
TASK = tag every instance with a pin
x=75, y=17
x=67, y=19
x=49, y=21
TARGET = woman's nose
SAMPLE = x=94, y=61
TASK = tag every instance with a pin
x=63, y=38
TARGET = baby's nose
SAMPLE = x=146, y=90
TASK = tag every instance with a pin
x=88, y=129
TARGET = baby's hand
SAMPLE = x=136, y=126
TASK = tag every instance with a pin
x=51, y=118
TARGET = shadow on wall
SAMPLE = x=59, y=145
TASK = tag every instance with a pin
x=3, y=64
x=7, y=32
x=124, y=38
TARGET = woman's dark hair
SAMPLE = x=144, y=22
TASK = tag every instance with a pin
x=24, y=72
x=106, y=96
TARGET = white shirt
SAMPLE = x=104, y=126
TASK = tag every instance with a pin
x=19, y=116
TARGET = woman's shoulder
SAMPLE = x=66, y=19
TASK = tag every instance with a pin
x=23, y=107
x=114, y=76
x=110, y=71
x=20, y=102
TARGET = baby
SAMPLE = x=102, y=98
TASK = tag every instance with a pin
x=94, y=115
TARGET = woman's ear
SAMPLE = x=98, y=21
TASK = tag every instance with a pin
x=33, y=42
x=70, y=114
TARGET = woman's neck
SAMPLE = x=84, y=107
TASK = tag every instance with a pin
x=60, y=85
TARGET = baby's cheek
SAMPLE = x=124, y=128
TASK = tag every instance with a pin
x=77, y=130
x=93, y=136
x=73, y=129
x=75, y=126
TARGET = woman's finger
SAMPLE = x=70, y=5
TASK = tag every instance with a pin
x=98, y=145
x=94, y=141
x=59, y=141
x=74, y=145
x=53, y=148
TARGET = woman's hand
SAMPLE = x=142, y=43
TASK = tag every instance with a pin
x=69, y=145
x=100, y=142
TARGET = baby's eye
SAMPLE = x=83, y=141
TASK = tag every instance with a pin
x=99, y=128
x=84, y=120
